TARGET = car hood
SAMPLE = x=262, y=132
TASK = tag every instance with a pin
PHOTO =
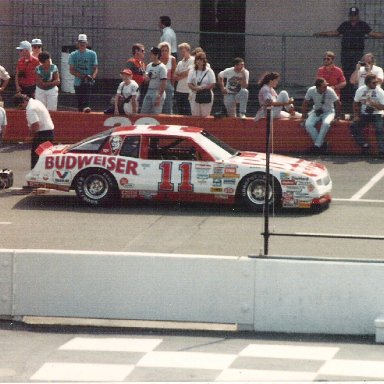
x=278, y=163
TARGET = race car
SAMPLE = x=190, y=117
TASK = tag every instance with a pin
x=180, y=163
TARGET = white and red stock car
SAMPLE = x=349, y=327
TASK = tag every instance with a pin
x=176, y=163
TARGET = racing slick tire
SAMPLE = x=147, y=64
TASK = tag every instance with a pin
x=96, y=187
x=252, y=192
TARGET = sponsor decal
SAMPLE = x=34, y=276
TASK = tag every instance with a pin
x=229, y=181
x=202, y=176
x=294, y=188
x=115, y=142
x=229, y=190
x=63, y=177
x=129, y=194
x=214, y=189
x=288, y=182
x=216, y=176
x=230, y=170
x=224, y=176
x=304, y=204
x=124, y=183
x=202, y=181
x=219, y=170
x=300, y=178
x=203, y=166
x=288, y=200
x=217, y=182
x=112, y=163
x=285, y=175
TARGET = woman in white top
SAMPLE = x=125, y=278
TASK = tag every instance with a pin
x=201, y=78
x=170, y=63
x=127, y=94
x=269, y=97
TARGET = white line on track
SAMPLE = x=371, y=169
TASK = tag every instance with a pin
x=360, y=200
x=5, y=223
x=371, y=183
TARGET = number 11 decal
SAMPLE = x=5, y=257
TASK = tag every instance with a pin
x=166, y=184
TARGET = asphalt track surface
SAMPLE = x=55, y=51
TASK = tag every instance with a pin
x=57, y=220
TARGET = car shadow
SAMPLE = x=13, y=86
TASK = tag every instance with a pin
x=70, y=203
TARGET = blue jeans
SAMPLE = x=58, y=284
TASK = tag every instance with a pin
x=357, y=130
x=168, y=103
x=326, y=119
x=149, y=101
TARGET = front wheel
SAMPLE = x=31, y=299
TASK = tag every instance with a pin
x=96, y=187
x=252, y=192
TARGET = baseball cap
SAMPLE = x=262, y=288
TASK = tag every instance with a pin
x=82, y=37
x=353, y=11
x=155, y=51
x=127, y=72
x=36, y=42
x=24, y=45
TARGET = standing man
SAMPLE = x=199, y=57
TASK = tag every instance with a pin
x=168, y=34
x=156, y=75
x=363, y=68
x=367, y=107
x=235, y=90
x=4, y=79
x=181, y=76
x=84, y=66
x=353, y=33
x=324, y=102
x=137, y=66
x=332, y=74
x=25, y=77
x=3, y=122
x=39, y=122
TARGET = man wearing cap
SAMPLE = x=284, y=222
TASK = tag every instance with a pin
x=156, y=75
x=127, y=94
x=84, y=66
x=324, y=101
x=353, y=33
x=39, y=121
x=37, y=47
x=25, y=77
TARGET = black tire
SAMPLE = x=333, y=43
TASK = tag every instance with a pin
x=252, y=192
x=96, y=187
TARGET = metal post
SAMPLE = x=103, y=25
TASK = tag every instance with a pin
x=267, y=178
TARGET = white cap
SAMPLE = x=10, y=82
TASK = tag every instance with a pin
x=36, y=42
x=24, y=45
x=82, y=37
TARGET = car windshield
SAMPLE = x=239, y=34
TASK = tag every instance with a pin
x=224, y=148
x=91, y=144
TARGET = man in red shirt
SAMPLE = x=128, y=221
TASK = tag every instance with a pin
x=25, y=78
x=137, y=66
x=331, y=73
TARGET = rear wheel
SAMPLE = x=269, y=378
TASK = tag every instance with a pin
x=96, y=187
x=252, y=192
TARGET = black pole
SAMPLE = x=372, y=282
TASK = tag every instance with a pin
x=267, y=178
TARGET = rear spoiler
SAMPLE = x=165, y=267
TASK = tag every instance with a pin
x=43, y=147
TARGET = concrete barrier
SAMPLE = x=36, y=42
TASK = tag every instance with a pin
x=244, y=134
x=274, y=294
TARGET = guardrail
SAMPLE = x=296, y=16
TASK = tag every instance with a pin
x=274, y=294
x=288, y=135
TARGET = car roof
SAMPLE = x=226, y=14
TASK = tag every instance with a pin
x=166, y=130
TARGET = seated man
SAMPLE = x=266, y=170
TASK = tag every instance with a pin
x=368, y=102
x=235, y=90
x=324, y=101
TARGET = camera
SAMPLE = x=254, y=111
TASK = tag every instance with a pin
x=361, y=63
x=89, y=80
x=319, y=112
x=6, y=178
x=369, y=110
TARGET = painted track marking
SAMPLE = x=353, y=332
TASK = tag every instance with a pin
x=367, y=187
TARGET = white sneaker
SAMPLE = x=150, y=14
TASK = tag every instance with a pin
x=242, y=116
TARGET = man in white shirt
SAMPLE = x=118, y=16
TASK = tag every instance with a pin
x=363, y=68
x=235, y=90
x=4, y=79
x=39, y=121
x=168, y=34
x=3, y=121
x=324, y=100
x=367, y=107
x=181, y=76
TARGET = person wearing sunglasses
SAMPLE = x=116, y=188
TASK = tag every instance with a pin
x=37, y=47
x=326, y=109
x=367, y=108
x=364, y=67
x=333, y=74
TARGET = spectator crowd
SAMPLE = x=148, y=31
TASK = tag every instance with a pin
x=180, y=80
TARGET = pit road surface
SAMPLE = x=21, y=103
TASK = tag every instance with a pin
x=57, y=220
